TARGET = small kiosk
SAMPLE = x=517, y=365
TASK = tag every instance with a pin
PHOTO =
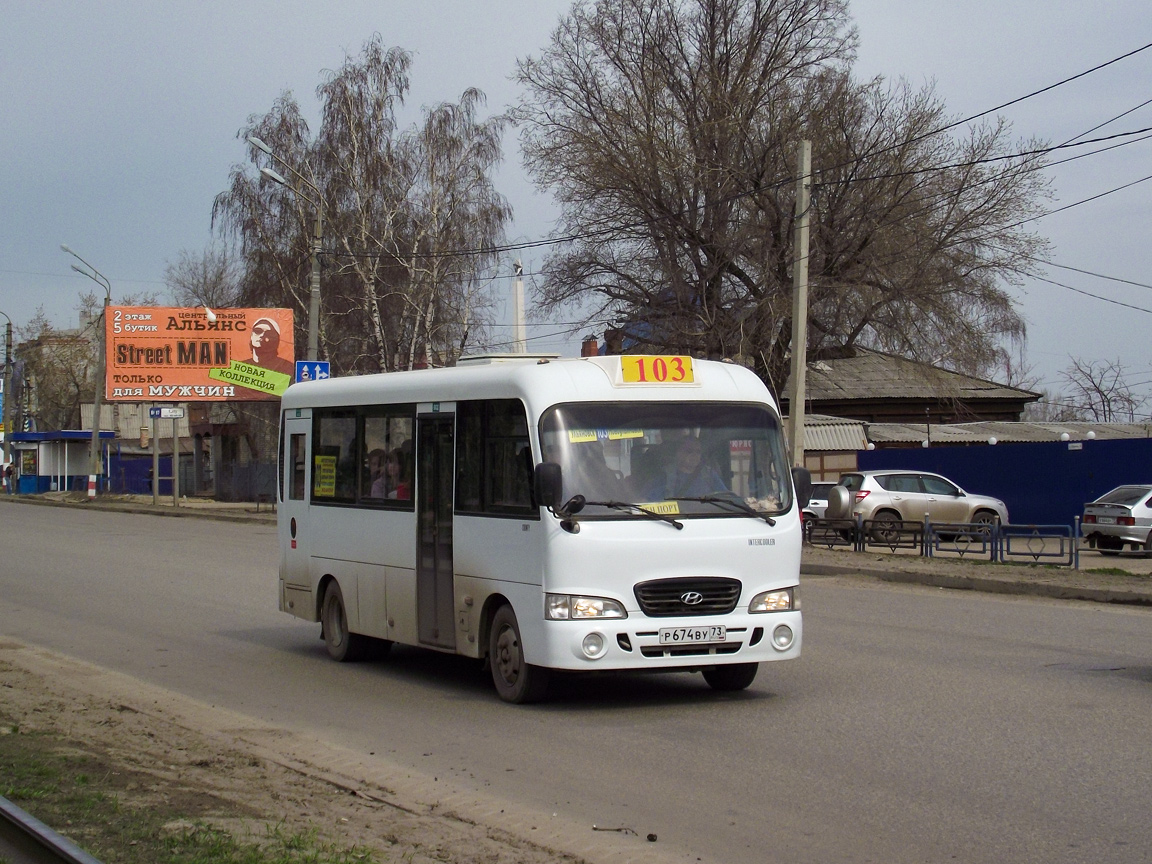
x=55, y=461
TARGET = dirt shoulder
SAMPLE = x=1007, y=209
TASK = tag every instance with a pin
x=1099, y=579
x=199, y=765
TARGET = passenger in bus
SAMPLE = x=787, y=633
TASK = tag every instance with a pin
x=377, y=477
x=398, y=475
x=688, y=475
x=647, y=468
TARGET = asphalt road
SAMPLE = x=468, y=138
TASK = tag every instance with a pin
x=920, y=724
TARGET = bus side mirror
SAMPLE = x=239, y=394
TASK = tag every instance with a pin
x=547, y=484
x=802, y=480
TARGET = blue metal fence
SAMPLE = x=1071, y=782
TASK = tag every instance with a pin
x=1033, y=544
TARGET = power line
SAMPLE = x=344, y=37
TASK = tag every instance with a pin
x=1023, y=154
x=588, y=235
x=1078, y=203
x=1088, y=293
x=1068, y=80
x=1088, y=272
x=533, y=244
x=1113, y=120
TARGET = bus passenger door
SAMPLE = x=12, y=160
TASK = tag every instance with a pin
x=293, y=516
x=434, y=475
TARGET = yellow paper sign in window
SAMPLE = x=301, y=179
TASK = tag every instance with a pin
x=664, y=508
x=324, y=477
x=650, y=369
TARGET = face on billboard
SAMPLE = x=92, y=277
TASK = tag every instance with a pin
x=180, y=354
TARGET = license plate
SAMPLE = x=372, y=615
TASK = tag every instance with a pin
x=691, y=635
x=1106, y=520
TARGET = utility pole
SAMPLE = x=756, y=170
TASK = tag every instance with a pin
x=155, y=460
x=317, y=239
x=8, y=412
x=95, y=454
x=520, y=338
x=796, y=392
x=314, y=287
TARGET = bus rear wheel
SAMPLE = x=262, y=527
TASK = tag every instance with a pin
x=735, y=676
x=344, y=646
x=516, y=681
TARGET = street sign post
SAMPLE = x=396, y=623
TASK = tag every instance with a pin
x=165, y=412
x=312, y=370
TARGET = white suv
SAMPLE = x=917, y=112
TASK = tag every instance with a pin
x=907, y=496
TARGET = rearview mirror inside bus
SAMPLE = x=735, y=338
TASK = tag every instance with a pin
x=547, y=484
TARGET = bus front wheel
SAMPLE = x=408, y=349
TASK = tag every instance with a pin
x=736, y=676
x=343, y=645
x=516, y=681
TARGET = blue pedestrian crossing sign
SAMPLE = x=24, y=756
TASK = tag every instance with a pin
x=312, y=370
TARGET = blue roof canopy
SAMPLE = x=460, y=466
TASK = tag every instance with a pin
x=61, y=435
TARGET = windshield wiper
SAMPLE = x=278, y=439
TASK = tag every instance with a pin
x=732, y=502
x=650, y=514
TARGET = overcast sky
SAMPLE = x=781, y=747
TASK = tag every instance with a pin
x=118, y=127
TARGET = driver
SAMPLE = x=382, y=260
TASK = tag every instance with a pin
x=687, y=476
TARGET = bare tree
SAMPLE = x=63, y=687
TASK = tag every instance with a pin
x=57, y=366
x=209, y=278
x=1097, y=390
x=413, y=216
x=667, y=129
x=58, y=371
x=1051, y=407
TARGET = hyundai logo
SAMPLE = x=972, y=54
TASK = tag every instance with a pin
x=691, y=598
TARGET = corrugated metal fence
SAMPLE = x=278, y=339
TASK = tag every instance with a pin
x=1044, y=483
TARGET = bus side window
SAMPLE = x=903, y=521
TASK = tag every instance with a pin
x=386, y=448
x=335, y=456
x=299, y=463
x=469, y=457
x=493, y=458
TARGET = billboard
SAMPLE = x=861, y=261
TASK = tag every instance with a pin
x=167, y=354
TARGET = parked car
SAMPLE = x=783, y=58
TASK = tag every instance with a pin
x=1119, y=518
x=817, y=504
x=906, y=496
x=818, y=501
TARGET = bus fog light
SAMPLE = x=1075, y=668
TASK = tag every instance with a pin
x=594, y=646
x=782, y=637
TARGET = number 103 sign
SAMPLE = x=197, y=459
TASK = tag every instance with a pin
x=649, y=369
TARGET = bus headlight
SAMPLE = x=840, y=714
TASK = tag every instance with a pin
x=783, y=600
x=562, y=607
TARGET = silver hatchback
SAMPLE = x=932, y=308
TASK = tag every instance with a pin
x=1122, y=517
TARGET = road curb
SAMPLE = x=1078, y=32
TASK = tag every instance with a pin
x=145, y=510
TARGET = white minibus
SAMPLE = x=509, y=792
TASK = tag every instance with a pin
x=626, y=513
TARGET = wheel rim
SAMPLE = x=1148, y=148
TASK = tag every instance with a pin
x=984, y=522
x=507, y=655
x=885, y=531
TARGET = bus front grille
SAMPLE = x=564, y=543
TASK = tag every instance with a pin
x=667, y=598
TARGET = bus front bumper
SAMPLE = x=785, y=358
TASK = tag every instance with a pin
x=638, y=643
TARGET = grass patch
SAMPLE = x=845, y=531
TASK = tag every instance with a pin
x=122, y=816
x=1109, y=571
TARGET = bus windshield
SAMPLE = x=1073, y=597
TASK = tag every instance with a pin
x=674, y=458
